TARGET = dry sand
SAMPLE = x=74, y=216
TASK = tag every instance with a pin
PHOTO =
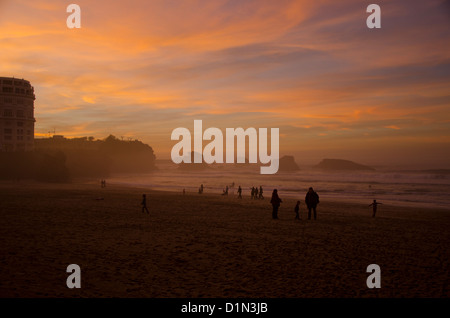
x=212, y=246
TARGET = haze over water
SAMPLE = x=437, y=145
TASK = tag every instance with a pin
x=389, y=185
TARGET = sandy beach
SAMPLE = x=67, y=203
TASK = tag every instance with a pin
x=212, y=246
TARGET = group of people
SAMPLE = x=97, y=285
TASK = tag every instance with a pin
x=257, y=194
x=311, y=200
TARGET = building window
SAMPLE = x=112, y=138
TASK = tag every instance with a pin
x=7, y=82
x=19, y=137
x=7, y=131
x=29, y=132
x=20, y=113
x=20, y=131
x=7, y=137
x=20, y=124
x=8, y=113
x=8, y=100
x=7, y=89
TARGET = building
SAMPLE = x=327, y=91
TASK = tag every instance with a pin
x=16, y=115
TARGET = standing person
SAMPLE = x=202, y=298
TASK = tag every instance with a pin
x=311, y=200
x=256, y=193
x=374, y=207
x=261, y=192
x=297, y=209
x=275, y=201
x=144, y=204
x=225, y=191
x=240, y=192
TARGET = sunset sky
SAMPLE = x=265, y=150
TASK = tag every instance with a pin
x=335, y=88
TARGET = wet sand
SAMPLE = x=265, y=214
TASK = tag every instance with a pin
x=212, y=246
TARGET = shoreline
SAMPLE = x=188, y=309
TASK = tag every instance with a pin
x=81, y=183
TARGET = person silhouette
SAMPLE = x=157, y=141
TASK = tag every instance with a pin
x=261, y=193
x=225, y=191
x=297, y=209
x=256, y=193
x=275, y=201
x=144, y=204
x=239, y=192
x=311, y=200
x=374, y=205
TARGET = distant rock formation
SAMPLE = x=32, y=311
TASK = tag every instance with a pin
x=287, y=163
x=340, y=165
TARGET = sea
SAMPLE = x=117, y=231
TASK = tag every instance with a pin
x=388, y=185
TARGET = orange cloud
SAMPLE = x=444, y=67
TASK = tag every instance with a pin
x=142, y=67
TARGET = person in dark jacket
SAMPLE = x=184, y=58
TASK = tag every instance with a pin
x=275, y=201
x=311, y=200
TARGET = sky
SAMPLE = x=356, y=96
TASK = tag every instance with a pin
x=335, y=88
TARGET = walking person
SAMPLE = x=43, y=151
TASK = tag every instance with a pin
x=374, y=207
x=144, y=204
x=297, y=210
x=261, y=193
x=239, y=192
x=311, y=200
x=275, y=201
